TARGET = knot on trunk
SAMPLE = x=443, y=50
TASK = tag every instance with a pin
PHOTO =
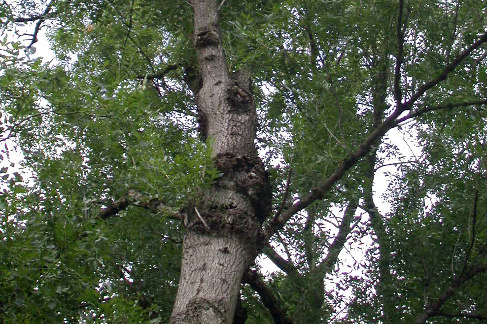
x=250, y=178
x=207, y=37
x=223, y=220
x=239, y=92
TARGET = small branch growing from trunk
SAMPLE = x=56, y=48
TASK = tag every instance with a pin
x=202, y=220
x=135, y=198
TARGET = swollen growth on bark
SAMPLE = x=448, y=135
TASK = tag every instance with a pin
x=224, y=228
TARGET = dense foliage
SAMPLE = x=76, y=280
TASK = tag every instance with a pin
x=112, y=121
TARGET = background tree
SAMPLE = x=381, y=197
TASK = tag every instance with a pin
x=163, y=122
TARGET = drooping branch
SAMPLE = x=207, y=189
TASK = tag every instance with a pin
x=267, y=297
x=400, y=55
x=473, y=233
x=433, y=308
x=135, y=198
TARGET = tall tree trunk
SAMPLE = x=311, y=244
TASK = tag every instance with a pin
x=223, y=230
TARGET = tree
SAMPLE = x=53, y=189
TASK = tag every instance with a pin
x=172, y=143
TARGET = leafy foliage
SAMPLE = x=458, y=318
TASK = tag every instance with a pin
x=112, y=113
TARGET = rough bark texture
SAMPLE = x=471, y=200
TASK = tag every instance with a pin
x=224, y=229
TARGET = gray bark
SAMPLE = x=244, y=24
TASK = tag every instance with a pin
x=223, y=230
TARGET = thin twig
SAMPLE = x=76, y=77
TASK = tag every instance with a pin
x=201, y=219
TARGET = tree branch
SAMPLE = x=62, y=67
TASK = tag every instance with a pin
x=286, y=193
x=135, y=198
x=267, y=297
x=45, y=14
x=39, y=18
x=340, y=239
x=400, y=55
x=346, y=164
x=160, y=74
x=285, y=265
x=433, y=307
x=445, y=72
x=420, y=112
x=473, y=232
x=463, y=315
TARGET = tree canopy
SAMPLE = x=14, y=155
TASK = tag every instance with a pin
x=115, y=158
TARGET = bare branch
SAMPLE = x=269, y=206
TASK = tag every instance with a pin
x=267, y=297
x=202, y=220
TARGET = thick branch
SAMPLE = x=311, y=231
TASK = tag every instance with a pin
x=286, y=266
x=433, y=307
x=135, y=198
x=267, y=296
